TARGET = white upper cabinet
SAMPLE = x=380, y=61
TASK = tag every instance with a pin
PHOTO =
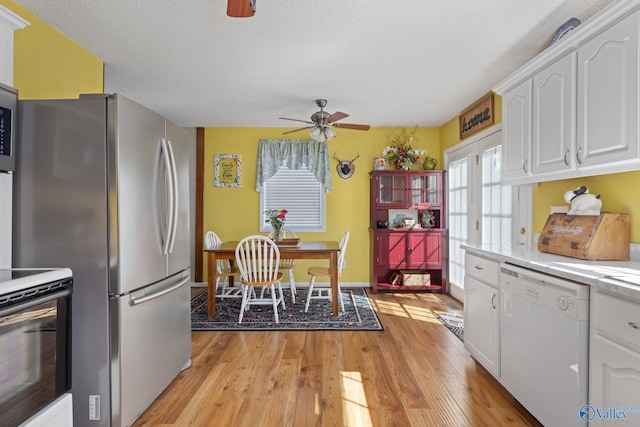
x=516, y=132
x=9, y=22
x=554, y=106
x=608, y=97
x=572, y=111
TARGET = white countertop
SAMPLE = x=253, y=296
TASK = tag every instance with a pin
x=620, y=277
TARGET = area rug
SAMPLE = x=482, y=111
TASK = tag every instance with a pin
x=454, y=322
x=358, y=314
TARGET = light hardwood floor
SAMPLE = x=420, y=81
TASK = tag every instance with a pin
x=414, y=373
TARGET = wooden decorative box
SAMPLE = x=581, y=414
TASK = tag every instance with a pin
x=602, y=237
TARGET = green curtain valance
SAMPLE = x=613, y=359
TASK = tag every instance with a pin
x=293, y=153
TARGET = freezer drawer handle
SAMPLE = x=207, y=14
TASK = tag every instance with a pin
x=136, y=301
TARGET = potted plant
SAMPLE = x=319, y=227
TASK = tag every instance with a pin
x=428, y=219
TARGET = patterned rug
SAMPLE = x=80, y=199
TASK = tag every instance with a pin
x=454, y=322
x=358, y=314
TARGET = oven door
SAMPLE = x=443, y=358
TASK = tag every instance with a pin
x=35, y=349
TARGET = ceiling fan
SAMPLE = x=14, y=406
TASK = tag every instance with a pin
x=321, y=123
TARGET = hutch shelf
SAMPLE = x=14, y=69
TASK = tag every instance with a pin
x=399, y=198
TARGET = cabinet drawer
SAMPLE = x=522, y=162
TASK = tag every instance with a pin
x=482, y=269
x=616, y=317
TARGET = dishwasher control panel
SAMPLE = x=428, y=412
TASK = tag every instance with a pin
x=554, y=293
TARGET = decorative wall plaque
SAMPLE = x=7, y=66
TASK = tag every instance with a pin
x=228, y=170
x=477, y=117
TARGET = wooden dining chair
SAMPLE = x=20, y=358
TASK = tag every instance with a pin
x=224, y=269
x=258, y=259
x=288, y=264
x=324, y=292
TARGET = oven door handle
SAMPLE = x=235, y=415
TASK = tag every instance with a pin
x=36, y=301
x=139, y=300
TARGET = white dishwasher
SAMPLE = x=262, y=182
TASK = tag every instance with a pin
x=544, y=333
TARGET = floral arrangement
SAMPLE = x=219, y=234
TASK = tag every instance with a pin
x=400, y=153
x=276, y=217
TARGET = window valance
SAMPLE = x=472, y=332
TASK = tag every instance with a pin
x=293, y=153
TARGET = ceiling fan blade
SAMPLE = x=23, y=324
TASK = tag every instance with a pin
x=297, y=120
x=297, y=130
x=241, y=8
x=351, y=126
x=338, y=115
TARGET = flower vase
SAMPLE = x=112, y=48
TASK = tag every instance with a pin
x=277, y=232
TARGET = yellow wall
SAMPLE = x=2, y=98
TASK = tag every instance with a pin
x=47, y=64
x=618, y=194
x=234, y=213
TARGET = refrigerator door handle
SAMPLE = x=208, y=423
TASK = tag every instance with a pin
x=174, y=207
x=168, y=176
x=146, y=298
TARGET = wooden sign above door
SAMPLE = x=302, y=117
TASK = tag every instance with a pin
x=477, y=117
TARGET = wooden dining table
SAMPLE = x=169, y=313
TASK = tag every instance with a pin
x=328, y=250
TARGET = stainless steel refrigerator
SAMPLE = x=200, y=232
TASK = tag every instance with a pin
x=101, y=186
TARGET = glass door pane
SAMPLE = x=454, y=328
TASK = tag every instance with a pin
x=497, y=210
x=459, y=185
x=424, y=189
x=393, y=190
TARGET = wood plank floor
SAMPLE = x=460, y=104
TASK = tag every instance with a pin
x=414, y=373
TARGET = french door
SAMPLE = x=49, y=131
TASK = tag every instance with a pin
x=480, y=209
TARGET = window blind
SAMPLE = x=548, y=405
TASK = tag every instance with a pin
x=301, y=194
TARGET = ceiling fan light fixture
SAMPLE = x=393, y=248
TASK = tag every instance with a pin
x=317, y=135
x=329, y=133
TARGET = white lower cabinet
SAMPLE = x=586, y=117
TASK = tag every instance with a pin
x=614, y=366
x=481, y=312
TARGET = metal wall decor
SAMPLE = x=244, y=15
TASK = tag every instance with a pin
x=345, y=168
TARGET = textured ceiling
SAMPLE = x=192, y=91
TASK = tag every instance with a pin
x=383, y=62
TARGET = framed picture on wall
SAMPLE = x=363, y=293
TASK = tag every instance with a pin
x=228, y=170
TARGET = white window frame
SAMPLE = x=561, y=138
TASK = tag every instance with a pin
x=290, y=200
